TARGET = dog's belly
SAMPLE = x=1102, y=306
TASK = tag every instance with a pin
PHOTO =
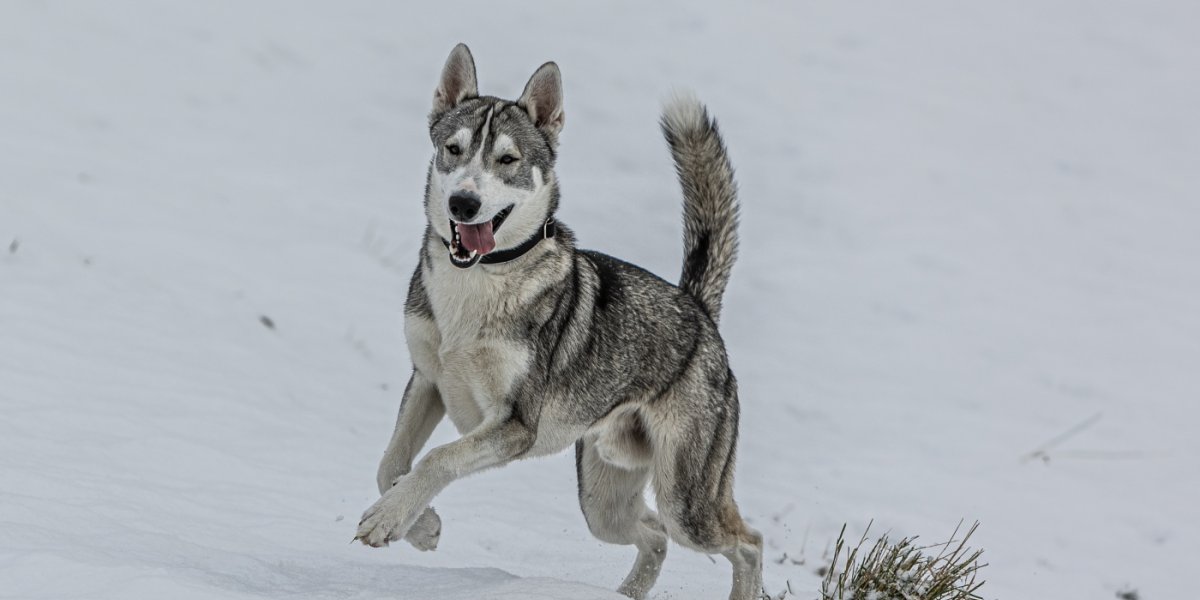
x=557, y=429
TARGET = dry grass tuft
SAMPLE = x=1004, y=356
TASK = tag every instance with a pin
x=903, y=571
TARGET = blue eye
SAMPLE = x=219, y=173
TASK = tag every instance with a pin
x=508, y=159
x=453, y=149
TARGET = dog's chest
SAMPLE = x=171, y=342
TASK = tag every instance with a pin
x=466, y=347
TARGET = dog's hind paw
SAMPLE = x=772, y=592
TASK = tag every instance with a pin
x=426, y=532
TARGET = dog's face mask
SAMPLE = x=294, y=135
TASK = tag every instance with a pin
x=492, y=177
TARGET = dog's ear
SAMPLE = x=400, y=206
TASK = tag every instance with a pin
x=457, y=83
x=543, y=100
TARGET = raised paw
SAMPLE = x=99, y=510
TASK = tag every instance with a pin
x=426, y=532
x=387, y=520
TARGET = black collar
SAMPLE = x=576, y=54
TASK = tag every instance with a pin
x=548, y=230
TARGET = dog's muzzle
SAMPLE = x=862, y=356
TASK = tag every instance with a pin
x=469, y=243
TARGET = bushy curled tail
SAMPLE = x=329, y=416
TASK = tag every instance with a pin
x=710, y=207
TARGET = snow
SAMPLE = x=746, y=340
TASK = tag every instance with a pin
x=968, y=228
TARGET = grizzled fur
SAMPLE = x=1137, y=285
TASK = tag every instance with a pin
x=565, y=346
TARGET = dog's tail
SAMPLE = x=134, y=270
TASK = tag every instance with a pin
x=710, y=206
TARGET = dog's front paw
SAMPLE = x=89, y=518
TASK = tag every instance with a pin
x=387, y=520
x=426, y=532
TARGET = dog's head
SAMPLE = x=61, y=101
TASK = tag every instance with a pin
x=491, y=182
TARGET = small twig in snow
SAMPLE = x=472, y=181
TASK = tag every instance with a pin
x=1042, y=452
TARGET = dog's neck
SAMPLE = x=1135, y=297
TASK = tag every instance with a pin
x=467, y=302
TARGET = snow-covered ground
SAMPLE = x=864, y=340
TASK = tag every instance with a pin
x=968, y=228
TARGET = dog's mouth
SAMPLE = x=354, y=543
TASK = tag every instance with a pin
x=469, y=243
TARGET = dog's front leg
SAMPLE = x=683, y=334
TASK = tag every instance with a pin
x=420, y=411
x=492, y=444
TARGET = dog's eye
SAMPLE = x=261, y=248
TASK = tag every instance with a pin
x=453, y=149
x=508, y=159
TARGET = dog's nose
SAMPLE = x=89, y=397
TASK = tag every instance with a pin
x=464, y=206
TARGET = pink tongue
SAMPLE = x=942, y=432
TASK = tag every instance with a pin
x=477, y=237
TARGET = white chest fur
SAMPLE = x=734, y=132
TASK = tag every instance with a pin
x=465, y=348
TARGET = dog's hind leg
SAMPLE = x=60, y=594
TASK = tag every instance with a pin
x=611, y=498
x=693, y=481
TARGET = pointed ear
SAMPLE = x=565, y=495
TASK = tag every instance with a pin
x=457, y=83
x=543, y=99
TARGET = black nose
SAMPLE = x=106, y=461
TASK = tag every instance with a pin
x=464, y=206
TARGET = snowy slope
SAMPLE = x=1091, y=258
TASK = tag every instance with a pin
x=967, y=229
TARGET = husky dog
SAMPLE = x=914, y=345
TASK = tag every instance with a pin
x=529, y=344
